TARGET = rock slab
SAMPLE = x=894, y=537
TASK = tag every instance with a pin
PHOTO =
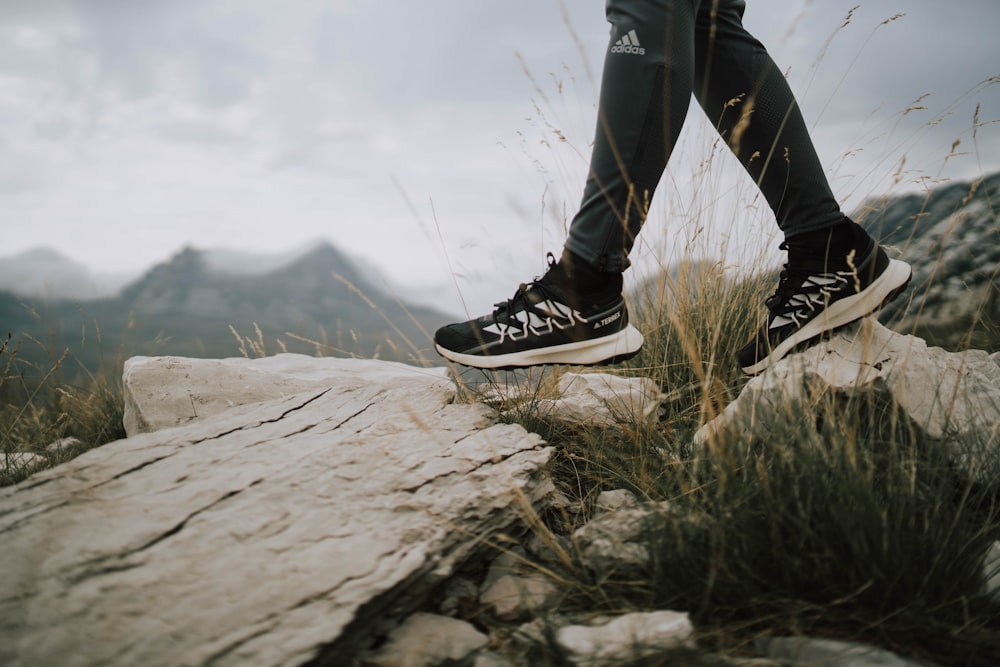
x=274, y=533
x=161, y=392
x=603, y=399
x=952, y=397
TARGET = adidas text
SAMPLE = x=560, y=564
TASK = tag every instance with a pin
x=637, y=50
x=628, y=44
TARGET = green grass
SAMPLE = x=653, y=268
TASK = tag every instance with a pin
x=844, y=523
x=43, y=404
x=853, y=528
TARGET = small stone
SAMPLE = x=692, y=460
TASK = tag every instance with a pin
x=603, y=399
x=506, y=563
x=426, y=640
x=806, y=652
x=991, y=570
x=512, y=597
x=628, y=637
x=62, y=443
x=15, y=460
x=491, y=659
x=618, y=540
x=619, y=499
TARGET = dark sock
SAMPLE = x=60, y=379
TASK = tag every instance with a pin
x=577, y=275
x=832, y=242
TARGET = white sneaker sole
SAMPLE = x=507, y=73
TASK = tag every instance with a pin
x=883, y=289
x=605, y=350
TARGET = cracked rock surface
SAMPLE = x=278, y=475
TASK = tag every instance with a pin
x=270, y=533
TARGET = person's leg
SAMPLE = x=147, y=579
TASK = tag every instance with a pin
x=835, y=273
x=747, y=98
x=575, y=314
x=645, y=93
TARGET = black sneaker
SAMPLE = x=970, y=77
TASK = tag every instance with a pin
x=545, y=322
x=820, y=295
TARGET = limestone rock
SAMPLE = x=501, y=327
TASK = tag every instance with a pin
x=954, y=397
x=167, y=391
x=59, y=445
x=613, y=501
x=490, y=659
x=427, y=640
x=15, y=460
x=625, y=638
x=617, y=540
x=506, y=563
x=269, y=534
x=603, y=399
x=991, y=570
x=511, y=597
x=806, y=652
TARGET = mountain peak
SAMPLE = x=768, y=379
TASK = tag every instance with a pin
x=322, y=263
x=43, y=272
x=43, y=254
x=243, y=262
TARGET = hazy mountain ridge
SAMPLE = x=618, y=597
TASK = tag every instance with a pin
x=45, y=273
x=186, y=307
x=190, y=304
x=189, y=284
x=951, y=238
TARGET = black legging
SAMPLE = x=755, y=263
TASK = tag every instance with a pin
x=661, y=52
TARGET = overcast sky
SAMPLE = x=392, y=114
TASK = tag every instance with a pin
x=441, y=141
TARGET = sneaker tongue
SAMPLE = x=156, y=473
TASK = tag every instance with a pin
x=526, y=294
x=540, y=292
x=572, y=275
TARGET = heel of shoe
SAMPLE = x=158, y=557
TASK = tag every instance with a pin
x=613, y=349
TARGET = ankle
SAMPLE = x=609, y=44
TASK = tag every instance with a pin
x=584, y=278
x=834, y=242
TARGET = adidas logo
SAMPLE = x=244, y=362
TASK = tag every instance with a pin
x=629, y=44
